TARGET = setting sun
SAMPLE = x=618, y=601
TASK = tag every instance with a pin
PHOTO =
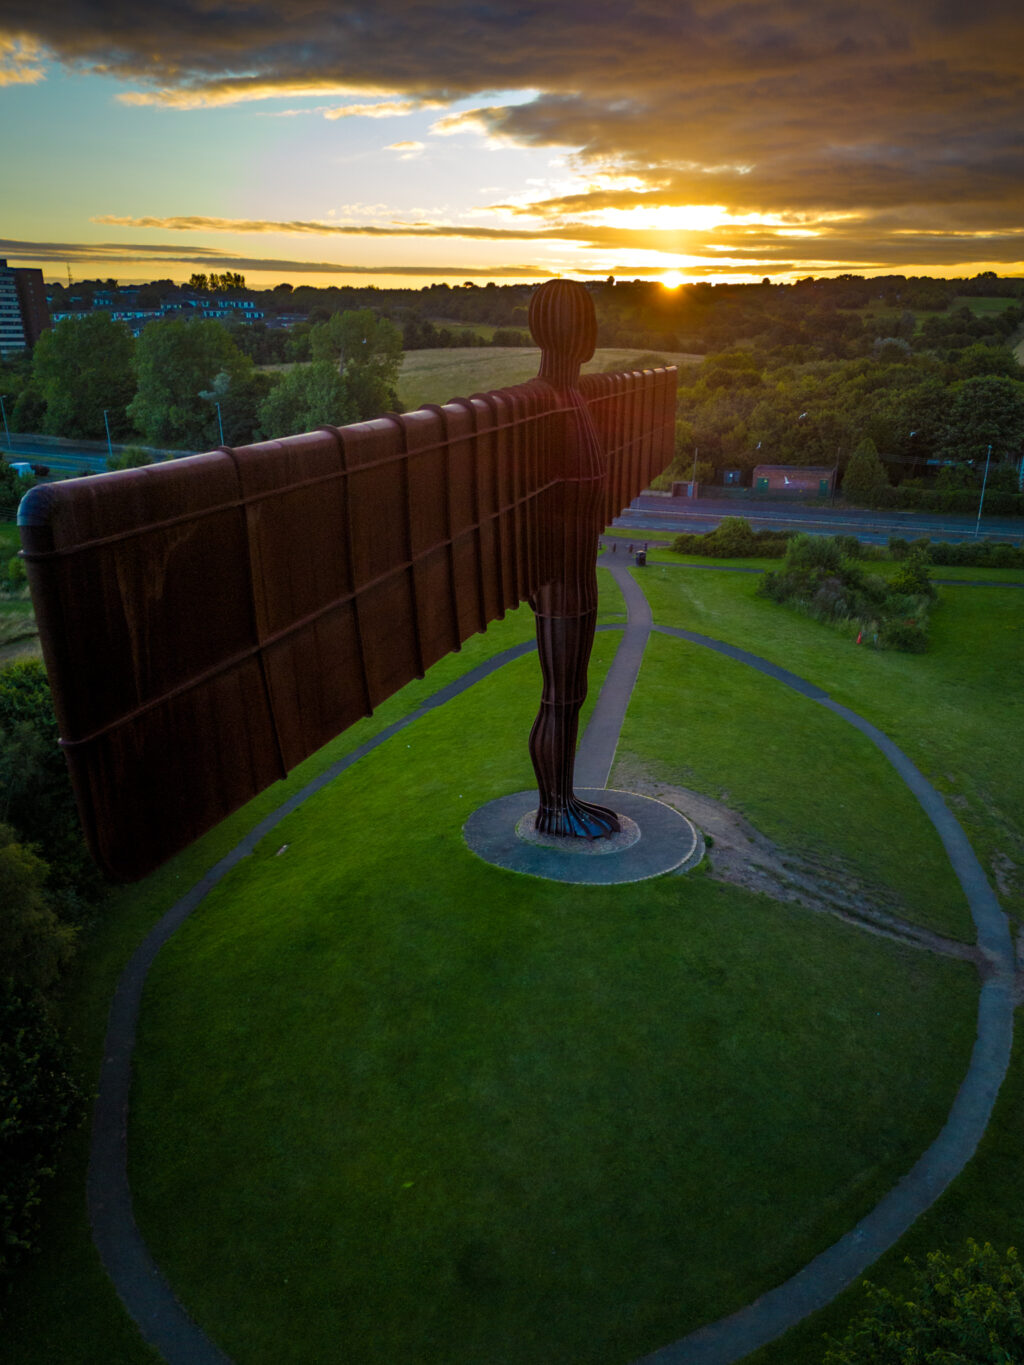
x=672, y=279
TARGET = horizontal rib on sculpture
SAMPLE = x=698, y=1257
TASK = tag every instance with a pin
x=210, y=622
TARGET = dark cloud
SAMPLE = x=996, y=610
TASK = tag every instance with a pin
x=913, y=109
x=868, y=240
x=162, y=254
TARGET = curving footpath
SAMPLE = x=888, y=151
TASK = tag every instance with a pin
x=148, y=1296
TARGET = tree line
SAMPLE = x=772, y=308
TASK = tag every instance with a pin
x=189, y=385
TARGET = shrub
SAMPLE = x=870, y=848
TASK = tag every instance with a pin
x=912, y=578
x=38, y=1102
x=954, y=1313
x=733, y=538
x=850, y=546
x=16, y=577
x=814, y=552
x=818, y=580
x=908, y=636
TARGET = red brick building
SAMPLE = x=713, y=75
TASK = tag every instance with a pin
x=816, y=480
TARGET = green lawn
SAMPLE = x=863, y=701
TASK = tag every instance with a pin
x=813, y=784
x=450, y=1113
x=436, y=1111
x=957, y=711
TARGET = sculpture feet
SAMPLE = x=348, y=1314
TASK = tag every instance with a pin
x=577, y=819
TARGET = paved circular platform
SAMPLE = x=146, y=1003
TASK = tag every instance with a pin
x=656, y=839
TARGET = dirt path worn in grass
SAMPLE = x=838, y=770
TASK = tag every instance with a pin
x=742, y=856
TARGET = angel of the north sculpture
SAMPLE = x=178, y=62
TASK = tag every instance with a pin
x=209, y=622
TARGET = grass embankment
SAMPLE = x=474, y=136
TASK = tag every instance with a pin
x=621, y=1110
x=457, y=1114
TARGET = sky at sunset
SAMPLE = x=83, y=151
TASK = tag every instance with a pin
x=410, y=141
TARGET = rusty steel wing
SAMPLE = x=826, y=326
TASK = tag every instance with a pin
x=210, y=622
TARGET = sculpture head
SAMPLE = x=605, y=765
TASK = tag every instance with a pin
x=564, y=326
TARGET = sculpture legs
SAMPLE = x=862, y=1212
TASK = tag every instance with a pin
x=564, y=644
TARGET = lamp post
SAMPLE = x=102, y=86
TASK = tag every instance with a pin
x=7, y=430
x=220, y=423
x=110, y=448
x=981, y=500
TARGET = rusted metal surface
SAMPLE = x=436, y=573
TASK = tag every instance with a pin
x=209, y=623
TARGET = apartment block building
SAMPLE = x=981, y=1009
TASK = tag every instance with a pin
x=24, y=313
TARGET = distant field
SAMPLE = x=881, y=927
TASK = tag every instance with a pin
x=881, y=311
x=436, y=376
x=481, y=329
x=983, y=306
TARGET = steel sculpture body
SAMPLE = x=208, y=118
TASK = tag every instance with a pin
x=210, y=622
x=563, y=324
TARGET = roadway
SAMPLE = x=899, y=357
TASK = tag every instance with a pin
x=653, y=513
x=85, y=457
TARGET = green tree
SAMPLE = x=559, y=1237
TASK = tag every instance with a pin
x=239, y=397
x=130, y=457
x=967, y=1312
x=987, y=410
x=865, y=475
x=177, y=361
x=81, y=367
x=306, y=397
x=368, y=353
x=34, y=943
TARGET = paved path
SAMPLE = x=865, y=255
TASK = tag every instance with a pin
x=596, y=751
x=149, y=1297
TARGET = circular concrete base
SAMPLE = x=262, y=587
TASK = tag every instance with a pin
x=655, y=839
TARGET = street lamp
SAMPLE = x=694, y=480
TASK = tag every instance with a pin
x=220, y=423
x=110, y=448
x=981, y=500
x=7, y=429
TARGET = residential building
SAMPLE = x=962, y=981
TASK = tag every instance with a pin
x=24, y=314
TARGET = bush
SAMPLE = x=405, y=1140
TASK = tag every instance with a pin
x=16, y=577
x=850, y=546
x=818, y=580
x=908, y=636
x=980, y=554
x=912, y=578
x=814, y=552
x=733, y=538
x=968, y=1312
x=38, y=1102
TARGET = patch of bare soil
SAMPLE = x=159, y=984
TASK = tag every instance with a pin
x=743, y=856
